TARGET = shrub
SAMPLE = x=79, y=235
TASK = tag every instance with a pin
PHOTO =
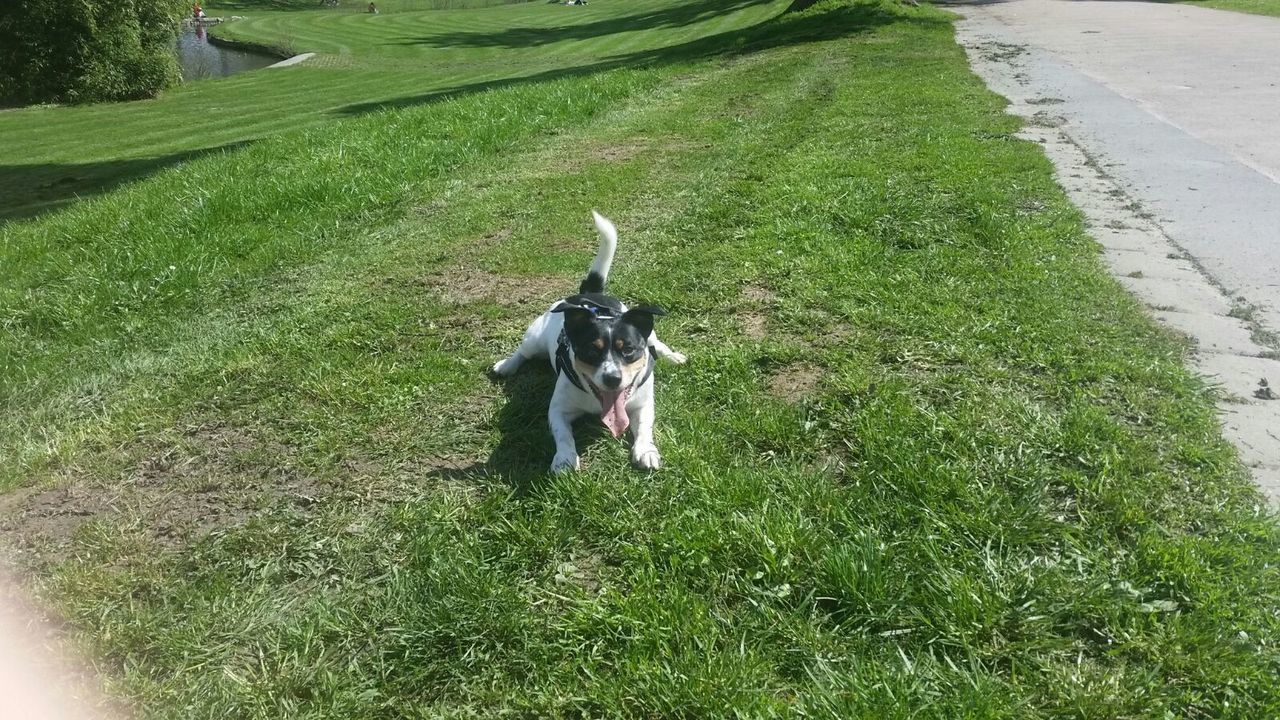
x=87, y=50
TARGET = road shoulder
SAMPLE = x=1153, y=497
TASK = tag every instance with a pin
x=1232, y=349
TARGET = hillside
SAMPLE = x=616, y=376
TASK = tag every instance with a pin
x=926, y=459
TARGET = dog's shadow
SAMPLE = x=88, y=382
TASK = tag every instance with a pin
x=522, y=457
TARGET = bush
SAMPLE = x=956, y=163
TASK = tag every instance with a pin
x=87, y=50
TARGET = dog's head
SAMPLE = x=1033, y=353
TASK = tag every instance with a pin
x=610, y=345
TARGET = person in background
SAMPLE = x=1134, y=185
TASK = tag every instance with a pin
x=373, y=9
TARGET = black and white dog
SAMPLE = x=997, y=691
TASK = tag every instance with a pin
x=603, y=354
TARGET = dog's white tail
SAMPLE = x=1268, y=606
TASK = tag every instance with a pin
x=599, y=272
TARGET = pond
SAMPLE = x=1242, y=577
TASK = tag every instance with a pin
x=201, y=59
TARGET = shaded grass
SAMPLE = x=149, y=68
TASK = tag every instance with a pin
x=1003, y=496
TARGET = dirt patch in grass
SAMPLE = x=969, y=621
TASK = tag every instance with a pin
x=828, y=463
x=464, y=286
x=576, y=157
x=759, y=294
x=581, y=571
x=794, y=383
x=752, y=316
x=618, y=152
x=753, y=324
x=213, y=477
x=578, y=576
x=496, y=237
x=837, y=337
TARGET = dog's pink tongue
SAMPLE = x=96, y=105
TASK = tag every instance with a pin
x=614, y=412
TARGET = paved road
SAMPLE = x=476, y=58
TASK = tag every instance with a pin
x=1181, y=105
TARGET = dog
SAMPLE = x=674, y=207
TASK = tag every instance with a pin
x=603, y=353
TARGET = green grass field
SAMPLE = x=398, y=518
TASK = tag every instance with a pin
x=399, y=58
x=926, y=460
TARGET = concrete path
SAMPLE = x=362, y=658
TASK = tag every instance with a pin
x=1164, y=124
x=293, y=60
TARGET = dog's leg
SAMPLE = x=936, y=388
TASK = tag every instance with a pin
x=530, y=347
x=665, y=352
x=561, y=420
x=643, y=452
x=509, y=366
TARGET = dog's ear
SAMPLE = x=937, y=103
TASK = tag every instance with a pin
x=575, y=316
x=641, y=318
x=651, y=309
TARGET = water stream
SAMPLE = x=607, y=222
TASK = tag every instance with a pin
x=201, y=59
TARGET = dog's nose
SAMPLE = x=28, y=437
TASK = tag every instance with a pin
x=611, y=381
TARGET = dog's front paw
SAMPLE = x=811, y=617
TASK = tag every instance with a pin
x=565, y=462
x=646, y=458
x=504, y=368
x=675, y=357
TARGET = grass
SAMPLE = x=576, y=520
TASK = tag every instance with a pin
x=1255, y=7
x=927, y=459
x=409, y=54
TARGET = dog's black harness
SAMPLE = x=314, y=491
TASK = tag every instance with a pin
x=564, y=364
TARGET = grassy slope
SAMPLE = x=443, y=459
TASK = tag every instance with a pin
x=404, y=56
x=990, y=491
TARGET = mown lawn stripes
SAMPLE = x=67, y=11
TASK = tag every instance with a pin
x=370, y=60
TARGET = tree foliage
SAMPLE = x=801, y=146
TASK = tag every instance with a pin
x=87, y=50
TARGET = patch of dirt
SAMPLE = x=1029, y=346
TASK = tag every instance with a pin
x=13, y=499
x=1046, y=119
x=794, y=383
x=464, y=286
x=835, y=335
x=495, y=238
x=576, y=157
x=1000, y=52
x=759, y=294
x=753, y=324
x=1030, y=206
x=579, y=575
x=617, y=153
x=752, y=315
x=827, y=463
x=581, y=571
x=213, y=477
